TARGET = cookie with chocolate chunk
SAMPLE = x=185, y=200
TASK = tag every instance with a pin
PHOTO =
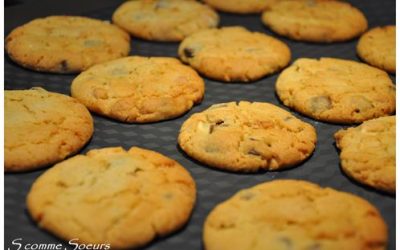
x=66, y=44
x=336, y=90
x=164, y=20
x=123, y=198
x=315, y=20
x=294, y=214
x=247, y=137
x=378, y=47
x=368, y=153
x=139, y=89
x=234, y=54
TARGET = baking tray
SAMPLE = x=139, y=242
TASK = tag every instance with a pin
x=213, y=186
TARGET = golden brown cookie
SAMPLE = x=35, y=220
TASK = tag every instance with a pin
x=66, y=44
x=234, y=54
x=292, y=214
x=378, y=48
x=164, y=20
x=42, y=128
x=368, y=153
x=111, y=196
x=315, y=20
x=247, y=137
x=139, y=89
x=336, y=90
x=239, y=6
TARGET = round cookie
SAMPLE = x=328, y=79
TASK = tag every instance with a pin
x=42, y=128
x=164, y=20
x=378, y=48
x=239, y=6
x=336, y=90
x=234, y=54
x=66, y=44
x=315, y=21
x=112, y=196
x=293, y=214
x=368, y=153
x=139, y=89
x=247, y=137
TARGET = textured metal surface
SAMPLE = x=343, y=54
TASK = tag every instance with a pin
x=213, y=186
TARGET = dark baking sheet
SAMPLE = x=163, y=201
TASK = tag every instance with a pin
x=213, y=186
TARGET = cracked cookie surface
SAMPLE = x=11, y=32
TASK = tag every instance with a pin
x=66, y=44
x=378, y=48
x=291, y=214
x=110, y=195
x=368, y=153
x=139, y=89
x=234, y=54
x=42, y=128
x=247, y=137
x=336, y=90
x=164, y=20
x=315, y=21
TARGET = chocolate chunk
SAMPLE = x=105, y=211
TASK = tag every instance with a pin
x=319, y=104
x=64, y=66
x=189, y=52
x=253, y=152
x=211, y=129
x=219, y=122
x=134, y=172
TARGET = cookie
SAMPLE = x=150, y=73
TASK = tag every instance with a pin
x=336, y=90
x=66, y=44
x=164, y=20
x=368, y=153
x=42, y=128
x=111, y=196
x=234, y=54
x=293, y=214
x=315, y=21
x=378, y=48
x=239, y=6
x=247, y=137
x=139, y=89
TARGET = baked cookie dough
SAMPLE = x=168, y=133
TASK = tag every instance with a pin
x=139, y=89
x=292, y=214
x=42, y=128
x=368, y=153
x=336, y=90
x=112, y=196
x=66, y=44
x=315, y=21
x=378, y=48
x=234, y=54
x=240, y=6
x=164, y=20
x=247, y=137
